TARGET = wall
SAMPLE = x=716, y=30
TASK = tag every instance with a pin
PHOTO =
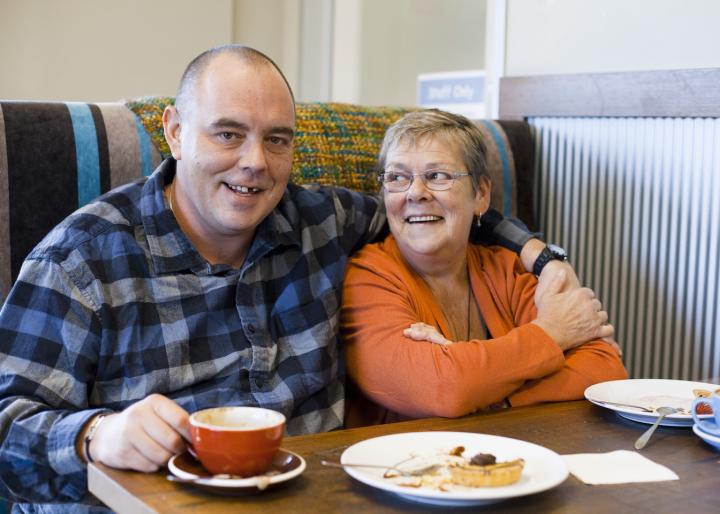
x=272, y=27
x=402, y=38
x=102, y=50
x=362, y=51
x=575, y=36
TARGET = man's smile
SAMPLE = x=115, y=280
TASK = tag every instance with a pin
x=240, y=189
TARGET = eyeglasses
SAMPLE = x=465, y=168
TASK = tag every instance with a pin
x=435, y=180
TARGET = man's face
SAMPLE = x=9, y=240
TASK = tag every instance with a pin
x=234, y=147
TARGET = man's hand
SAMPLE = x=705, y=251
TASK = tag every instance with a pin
x=560, y=270
x=573, y=317
x=424, y=332
x=143, y=437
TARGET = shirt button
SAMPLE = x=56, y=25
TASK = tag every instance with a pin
x=251, y=328
x=259, y=383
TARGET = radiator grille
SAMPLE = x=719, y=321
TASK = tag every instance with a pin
x=636, y=201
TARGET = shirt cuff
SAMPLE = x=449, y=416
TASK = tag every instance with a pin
x=62, y=450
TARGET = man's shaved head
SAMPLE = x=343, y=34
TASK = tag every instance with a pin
x=196, y=67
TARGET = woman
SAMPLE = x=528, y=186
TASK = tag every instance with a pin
x=435, y=326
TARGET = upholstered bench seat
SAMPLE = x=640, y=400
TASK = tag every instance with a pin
x=56, y=157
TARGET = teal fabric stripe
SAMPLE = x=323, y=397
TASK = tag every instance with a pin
x=86, y=151
x=507, y=179
x=145, y=149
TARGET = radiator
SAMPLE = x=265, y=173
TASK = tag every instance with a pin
x=636, y=202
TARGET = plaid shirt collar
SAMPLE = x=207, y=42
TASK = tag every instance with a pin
x=170, y=249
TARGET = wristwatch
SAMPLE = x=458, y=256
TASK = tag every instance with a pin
x=551, y=252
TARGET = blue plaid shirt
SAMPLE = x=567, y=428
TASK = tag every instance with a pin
x=116, y=303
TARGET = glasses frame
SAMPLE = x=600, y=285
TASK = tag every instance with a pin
x=454, y=174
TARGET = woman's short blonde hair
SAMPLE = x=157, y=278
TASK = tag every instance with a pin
x=418, y=125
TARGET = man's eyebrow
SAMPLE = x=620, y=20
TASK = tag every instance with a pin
x=228, y=123
x=283, y=130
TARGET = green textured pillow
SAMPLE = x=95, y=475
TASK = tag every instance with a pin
x=337, y=144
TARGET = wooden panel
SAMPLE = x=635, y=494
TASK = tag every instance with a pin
x=675, y=93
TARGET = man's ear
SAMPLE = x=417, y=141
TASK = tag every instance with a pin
x=482, y=196
x=172, y=128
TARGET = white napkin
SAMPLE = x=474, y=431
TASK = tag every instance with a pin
x=618, y=467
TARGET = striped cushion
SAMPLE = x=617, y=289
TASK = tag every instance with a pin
x=56, y=157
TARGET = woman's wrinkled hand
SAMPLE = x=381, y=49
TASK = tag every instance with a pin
x=571, y=316
x=424, y=332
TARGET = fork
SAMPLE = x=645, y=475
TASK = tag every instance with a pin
x=403, y=472
x=618, y=404
x=679, y=410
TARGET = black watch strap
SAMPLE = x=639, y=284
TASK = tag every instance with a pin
x=549, y=253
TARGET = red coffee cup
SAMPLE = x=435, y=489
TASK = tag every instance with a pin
x=236, y=440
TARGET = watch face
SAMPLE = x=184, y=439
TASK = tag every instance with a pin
x=558, y=252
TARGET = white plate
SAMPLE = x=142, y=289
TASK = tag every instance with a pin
x=286, y=465
x=544, y=469
x=650, y=393
x=708, y=438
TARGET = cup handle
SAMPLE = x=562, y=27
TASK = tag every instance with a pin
x=695, y=403
x=192, y=451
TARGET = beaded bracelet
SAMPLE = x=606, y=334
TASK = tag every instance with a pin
x=90, y=433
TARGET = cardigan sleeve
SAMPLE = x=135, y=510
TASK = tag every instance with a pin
x=585, y=365
x=417, y=378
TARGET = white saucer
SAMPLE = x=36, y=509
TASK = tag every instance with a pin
x=709, y=439
x=709, y=427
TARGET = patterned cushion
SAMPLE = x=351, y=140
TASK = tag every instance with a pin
x=56, y=157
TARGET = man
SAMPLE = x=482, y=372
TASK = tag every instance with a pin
x=214, y=282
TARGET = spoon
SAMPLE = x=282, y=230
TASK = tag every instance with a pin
x=201, y=481
x=262, y=481
x=643, y=439
x=403, y=472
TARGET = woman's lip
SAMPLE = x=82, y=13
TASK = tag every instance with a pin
x=422, y=218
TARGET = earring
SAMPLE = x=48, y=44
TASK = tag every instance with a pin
x=478, y=222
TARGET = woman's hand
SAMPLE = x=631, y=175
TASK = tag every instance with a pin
x=571, y=316
x=423, y=332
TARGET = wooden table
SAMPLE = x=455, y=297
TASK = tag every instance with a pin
x=571, y=427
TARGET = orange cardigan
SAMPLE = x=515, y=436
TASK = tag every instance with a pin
x=393, y=377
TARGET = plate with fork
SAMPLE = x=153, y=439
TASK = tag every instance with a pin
x=639, y=399
x=543, y=468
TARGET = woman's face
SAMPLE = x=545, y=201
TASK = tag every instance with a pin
x=432, y=227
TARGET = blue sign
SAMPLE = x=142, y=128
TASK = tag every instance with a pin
x=462, y=92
